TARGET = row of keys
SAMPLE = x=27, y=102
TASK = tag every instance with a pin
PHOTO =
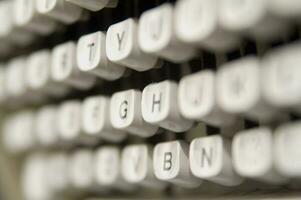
x=218, y=26
x=25, y=19
x=257, y=154
x=244, y=87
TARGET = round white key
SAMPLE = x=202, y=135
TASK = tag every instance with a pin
x=197, y=23
x=251, y=17
x=57, y=175
x=45, y=129
x=107, y=165
x=198, y=101
x=96, y=119
x=160, y=106
x=281, y=81
x=239, y=89
x=81, y=171
x=126, y=114
x=59, y=10
x=18, y=133
x=95, y=5
x=27, y=17
x=137, y=166
x=33, y=178
x=92, y=57
x=171, y=164
x=253, y=155
x=210, y=159
x=286, y=8
x=122, y=46
x=287, y=149
x=38, y=75
x=15, y=81
x=156, y=35
x=64, y=67
x=69, y=120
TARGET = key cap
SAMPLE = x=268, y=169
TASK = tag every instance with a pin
x=251, y=17
x=108, y=171
x=197, y=23
x=81, y=171
x=64, y=67
x=57, y=175
x=160, y=106
x=137, y=166
x=281, y=84
x=38, y=75
x=34, y=186
x=239, y=89
x=92, y=57
x=18, y=135
x=69, y=121
x=287, y=149
x=27, y=17
x=285, y=8
x=95, y=5
x=210, y=159
x=252, y=152
x=198, y=101
x=171, y=164
x=126, y=114
x=122, y=46
x=15, y=71
x=45, y=130
x=156, y=35
x=96, y=119
x=59, y=10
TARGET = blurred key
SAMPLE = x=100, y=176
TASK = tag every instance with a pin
x=156, y=35
x=137, y=166
x=59, y=10
x=122, y=46
x=96, y=119
x=160, y=106
x=253, y=155
x=95, y=5
x=197, y=23
x=26, y=17
x=64, y=67
x=198, y=99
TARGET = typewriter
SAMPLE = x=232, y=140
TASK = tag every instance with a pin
x=153, y=99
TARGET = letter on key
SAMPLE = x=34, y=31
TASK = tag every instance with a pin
x=64, y=67
x=96, y=119
x=160, y=106
x=253, y=155
x=92, y=57
x=137, y=166
x=198, y=101
x=156, y=35
x=210, y=159
x=171, y=164
x=123, y=48
x=95, y=5
x=126, y=114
